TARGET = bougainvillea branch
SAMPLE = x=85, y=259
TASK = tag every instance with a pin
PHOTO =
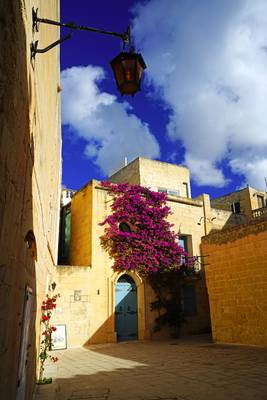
x=151, y=246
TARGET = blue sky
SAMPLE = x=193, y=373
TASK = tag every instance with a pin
x=203, y=98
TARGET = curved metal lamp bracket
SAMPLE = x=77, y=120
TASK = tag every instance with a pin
x=125, y=37
x=35, y=50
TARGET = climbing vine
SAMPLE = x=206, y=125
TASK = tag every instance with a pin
x=150, y=245
x=48, y=306
x=138, y=237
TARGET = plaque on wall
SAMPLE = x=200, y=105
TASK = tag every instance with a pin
x=59, y=337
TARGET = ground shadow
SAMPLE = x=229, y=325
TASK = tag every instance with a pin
x=185, y=369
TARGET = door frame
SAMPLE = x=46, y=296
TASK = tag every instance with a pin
x=140, y=286
x=126, y=288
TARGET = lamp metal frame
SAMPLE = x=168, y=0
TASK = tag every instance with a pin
x=36, y=21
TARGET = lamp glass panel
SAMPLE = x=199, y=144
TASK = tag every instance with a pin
x=129, y=69
x=119, y=72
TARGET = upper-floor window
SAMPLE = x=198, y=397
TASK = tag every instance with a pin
x=236, y=207
x=172, y=192
x=260, y=200
x=183, y=242
x=124, y=227
x=186, y=191
x=163, y=190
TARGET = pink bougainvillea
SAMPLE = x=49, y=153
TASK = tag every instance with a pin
x=151, y=245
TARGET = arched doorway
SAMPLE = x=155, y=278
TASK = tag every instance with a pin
x=126, y=318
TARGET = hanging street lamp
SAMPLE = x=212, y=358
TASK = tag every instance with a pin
x=127, y=66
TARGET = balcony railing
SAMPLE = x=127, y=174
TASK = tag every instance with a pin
x=259, y=212
x=194, y=265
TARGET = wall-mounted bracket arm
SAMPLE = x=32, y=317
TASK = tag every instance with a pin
x=36, y=21
x=35, y=50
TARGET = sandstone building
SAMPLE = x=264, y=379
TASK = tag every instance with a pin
x=88, y=284
x=30, y=179
x=247, y=201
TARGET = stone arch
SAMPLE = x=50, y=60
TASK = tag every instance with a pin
x=140, y=284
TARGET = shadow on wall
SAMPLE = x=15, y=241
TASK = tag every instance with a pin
x=17, y=263
x=197, y=319
x=233, y=220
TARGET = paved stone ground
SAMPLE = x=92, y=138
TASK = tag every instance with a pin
x=188, y=369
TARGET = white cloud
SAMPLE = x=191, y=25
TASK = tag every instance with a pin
x=208, y=61
x=112, y=131
x=253, y=169
x=203, y=172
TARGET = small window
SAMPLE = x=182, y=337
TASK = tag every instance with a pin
x=236, y=207
x=124, y=227
x=186, y=191
x=173, y=192
x=183, y=242
x=64, y=236
x=31, y=244
x=163, y=190
x=189, y=300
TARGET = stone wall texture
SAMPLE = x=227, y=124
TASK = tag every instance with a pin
x=154, y=174
x=30, y=177
x=247, y=197
x=237, y=283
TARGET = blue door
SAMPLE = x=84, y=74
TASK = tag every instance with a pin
x=126, y=309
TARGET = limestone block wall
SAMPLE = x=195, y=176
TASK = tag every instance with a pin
x=30, y=177
x=74, y=307
x=81, y=227
x=225, y=219
x=155, y=174
x=225, y=202
x=237, y=283
x=185, y=217
x=130, y=173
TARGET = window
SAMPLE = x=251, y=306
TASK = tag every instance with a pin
x=64, y=237
x=172, y=192
x=183, y=242
x=189, y=300
x=124, y=227
x=236, y=207
x=162, y=190
x=186, y=191
x=260, y=200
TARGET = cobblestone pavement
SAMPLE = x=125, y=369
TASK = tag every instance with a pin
x=189, y=369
